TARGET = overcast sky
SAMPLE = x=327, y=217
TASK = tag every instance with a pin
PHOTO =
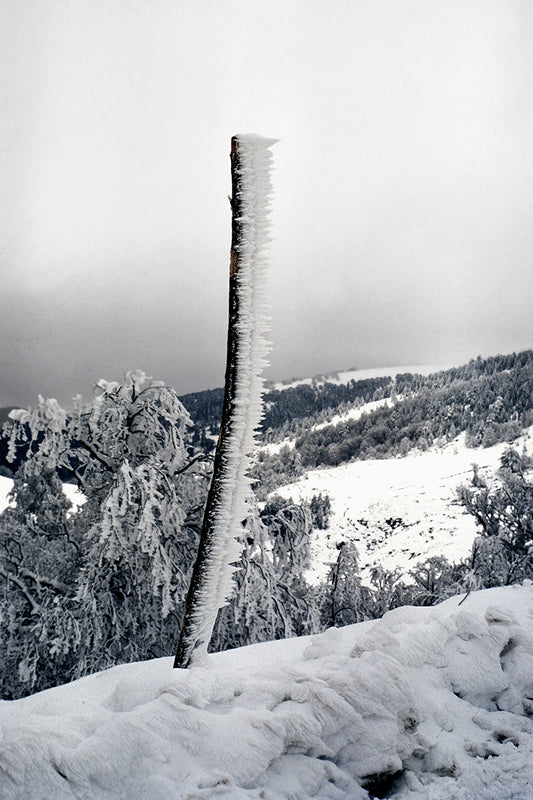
x=402, y=216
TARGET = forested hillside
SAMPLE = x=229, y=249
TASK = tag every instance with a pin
x=480, y=397
x=490, y=405
x=491, y=399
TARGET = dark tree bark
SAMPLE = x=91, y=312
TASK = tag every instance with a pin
x=198, y=618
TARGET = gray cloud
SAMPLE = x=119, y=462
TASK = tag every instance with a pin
x=402, y=210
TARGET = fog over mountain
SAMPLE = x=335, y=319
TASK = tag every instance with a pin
x=402, y=208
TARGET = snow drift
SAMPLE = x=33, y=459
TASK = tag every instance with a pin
x=430, y=703
x=226, y=507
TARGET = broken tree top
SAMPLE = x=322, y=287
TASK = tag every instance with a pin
x=251, y=166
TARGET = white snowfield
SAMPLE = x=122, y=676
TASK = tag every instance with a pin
x=435, y=703
x=419, y=489
x=399, y=511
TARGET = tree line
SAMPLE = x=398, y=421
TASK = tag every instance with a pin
x=489, y=399
x=297, y=407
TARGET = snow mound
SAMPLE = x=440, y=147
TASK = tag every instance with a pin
x=430, y=703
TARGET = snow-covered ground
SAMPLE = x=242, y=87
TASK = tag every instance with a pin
x=399, y=510
x=434, y=703
x=6, y=484
x=355, y=413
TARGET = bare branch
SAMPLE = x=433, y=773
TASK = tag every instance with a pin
x=35, y=607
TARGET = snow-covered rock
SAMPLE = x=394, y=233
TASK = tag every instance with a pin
x=434, y=702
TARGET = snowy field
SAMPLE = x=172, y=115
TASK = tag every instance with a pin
x=425, y=704
x=399, y=510
x=417, y=493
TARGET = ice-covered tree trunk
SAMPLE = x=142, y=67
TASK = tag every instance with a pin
x=220, y=542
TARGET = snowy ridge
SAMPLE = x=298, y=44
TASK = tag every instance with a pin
x=424, y=704
x=247, y=350
x=345, y=376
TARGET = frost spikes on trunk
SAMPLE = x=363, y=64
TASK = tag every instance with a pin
x=221, y=537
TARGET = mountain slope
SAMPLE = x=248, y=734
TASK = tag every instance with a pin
x=482, y=397
x=399, y=511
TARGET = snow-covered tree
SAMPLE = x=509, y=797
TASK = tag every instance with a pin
x=39, y=560
x=347, y=600
x=271, y=599
x=503, y=553
x=105, y=583
x=256, y=611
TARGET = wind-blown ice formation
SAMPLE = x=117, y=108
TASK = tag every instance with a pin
x=220, y=544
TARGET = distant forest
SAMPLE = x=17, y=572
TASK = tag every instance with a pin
x=490, y=399
x=291, y=409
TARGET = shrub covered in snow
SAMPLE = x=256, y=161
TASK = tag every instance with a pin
x=503, y=553
x=104, y=583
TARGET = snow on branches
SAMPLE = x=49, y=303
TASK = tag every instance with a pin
x=87, y=587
